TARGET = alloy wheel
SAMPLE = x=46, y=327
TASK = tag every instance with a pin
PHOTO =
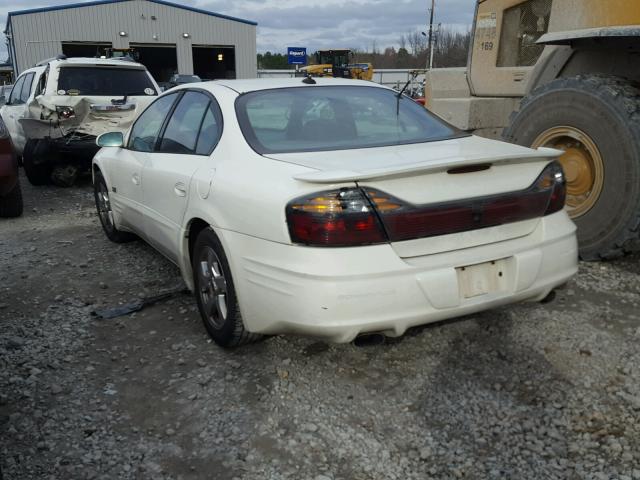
x=212, y=288
x=104, y=206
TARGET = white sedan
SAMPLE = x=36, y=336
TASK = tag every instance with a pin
x=332, y=208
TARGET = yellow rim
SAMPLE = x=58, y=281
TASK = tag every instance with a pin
x=582, y=164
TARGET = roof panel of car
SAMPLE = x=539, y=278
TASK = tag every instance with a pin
x=251, y=85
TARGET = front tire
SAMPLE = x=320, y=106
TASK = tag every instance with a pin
x=105, y=213
x=215, y=293
x=595, y=119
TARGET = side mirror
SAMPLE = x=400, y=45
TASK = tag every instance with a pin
x=110, y=139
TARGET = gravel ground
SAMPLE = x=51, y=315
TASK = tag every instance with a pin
x=526, y=392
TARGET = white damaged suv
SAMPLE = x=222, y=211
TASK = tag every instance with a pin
x=57, y=109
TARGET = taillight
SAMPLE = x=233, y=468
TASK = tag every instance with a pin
x=65, y=113
x=404, y=221
x=366, y=216
x=553, y=178
x=335, y=218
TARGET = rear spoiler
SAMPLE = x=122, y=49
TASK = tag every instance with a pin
x=339, y=176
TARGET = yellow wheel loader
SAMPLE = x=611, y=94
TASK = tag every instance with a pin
x=335, y=63
x=562, y=74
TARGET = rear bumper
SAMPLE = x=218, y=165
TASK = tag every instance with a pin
x=340, y=293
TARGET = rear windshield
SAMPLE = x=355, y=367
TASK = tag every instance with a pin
x=305, y=119
x=104, y=81
x=187, y=78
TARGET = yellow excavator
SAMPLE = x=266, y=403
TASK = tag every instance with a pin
x=335, y=63
x=562, y=74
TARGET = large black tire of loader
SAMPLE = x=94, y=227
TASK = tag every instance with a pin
x=11, y=205
x=607, y=109
x=38, y=173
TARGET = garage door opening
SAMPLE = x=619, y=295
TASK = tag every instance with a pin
x=160, y=60
x=210, y=63
x=84, y=49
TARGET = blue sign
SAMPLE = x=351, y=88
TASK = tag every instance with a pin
x=297, y=55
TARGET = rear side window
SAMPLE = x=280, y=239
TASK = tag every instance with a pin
x=104, y=81
x=210, y=131
x=14, y=98
x=181, y=134
x=26, y=88
x=303, y=119
x=42, y=83
x=144, y=133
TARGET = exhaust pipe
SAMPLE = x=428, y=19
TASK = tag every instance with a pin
x=369, y=340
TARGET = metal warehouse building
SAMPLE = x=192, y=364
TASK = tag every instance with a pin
x=168, y=38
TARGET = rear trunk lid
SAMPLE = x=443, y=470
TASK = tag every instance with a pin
x=469, y=171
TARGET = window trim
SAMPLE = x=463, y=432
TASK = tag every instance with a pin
x=216, y=111
x=253, y=142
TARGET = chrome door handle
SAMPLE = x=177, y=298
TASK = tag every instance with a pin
x=180, y=189
x=135, y=178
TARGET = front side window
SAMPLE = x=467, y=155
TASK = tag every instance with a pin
x=144, y=133
x=104, y=81
x=302, y=119
x=181, y=134
x=522, y=27
x=26, y=88
x=14, y=98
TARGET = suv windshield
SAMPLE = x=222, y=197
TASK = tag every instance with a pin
x=104, y=81
x=306, y=119
x=186, y=79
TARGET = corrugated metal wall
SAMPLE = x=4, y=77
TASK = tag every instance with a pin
x=38, y=36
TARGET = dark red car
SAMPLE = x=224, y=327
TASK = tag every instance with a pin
x=10, y=193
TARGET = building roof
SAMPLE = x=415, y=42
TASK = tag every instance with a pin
x=107, y=2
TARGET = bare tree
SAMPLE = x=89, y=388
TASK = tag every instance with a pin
x=417, y=43
x=403, y=41
x=450, y=50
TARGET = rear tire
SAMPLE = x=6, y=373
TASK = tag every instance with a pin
x=606, y=110
x=37, y=173
x=11, y=205
x=105, y=213
x=215, y=293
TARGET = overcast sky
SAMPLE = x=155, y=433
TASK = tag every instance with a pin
x=313, y=24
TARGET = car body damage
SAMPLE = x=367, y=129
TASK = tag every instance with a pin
x=60, y=116
x=57, y=109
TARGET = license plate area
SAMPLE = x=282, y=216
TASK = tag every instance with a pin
x=483, y=278
x=113, y=108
